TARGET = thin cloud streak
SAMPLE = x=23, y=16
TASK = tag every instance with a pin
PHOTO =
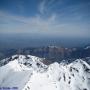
x=41, y=7
x=66, y=22
x=39, y=25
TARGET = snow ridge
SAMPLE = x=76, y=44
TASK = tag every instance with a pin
x=29, y=73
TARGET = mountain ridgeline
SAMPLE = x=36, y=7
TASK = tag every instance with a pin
x=52, y=53
x=27, y=72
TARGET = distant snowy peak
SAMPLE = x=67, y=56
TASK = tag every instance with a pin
x=88, y=47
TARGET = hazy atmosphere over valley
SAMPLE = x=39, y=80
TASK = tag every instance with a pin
x=25, y=23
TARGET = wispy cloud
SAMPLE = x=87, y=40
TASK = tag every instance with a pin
x=65, y=23
x=45, y=5
x=42, y=7
x=42, y=26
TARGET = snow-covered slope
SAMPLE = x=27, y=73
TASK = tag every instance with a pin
x=30, y=61
x=29, y=73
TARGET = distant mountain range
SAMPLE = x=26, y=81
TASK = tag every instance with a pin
x=52, y=53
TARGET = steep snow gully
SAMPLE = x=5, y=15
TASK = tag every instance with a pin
x=30, y=73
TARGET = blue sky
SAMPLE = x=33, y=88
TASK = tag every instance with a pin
x=64, y=18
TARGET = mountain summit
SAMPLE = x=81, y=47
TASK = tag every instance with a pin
x=30, y=73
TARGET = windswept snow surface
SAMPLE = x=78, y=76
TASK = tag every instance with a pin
x=29, y=73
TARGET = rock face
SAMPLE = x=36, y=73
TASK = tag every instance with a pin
x=30, y=73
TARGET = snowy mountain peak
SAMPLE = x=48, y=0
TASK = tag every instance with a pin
x=29, y=73
x=30, y=61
